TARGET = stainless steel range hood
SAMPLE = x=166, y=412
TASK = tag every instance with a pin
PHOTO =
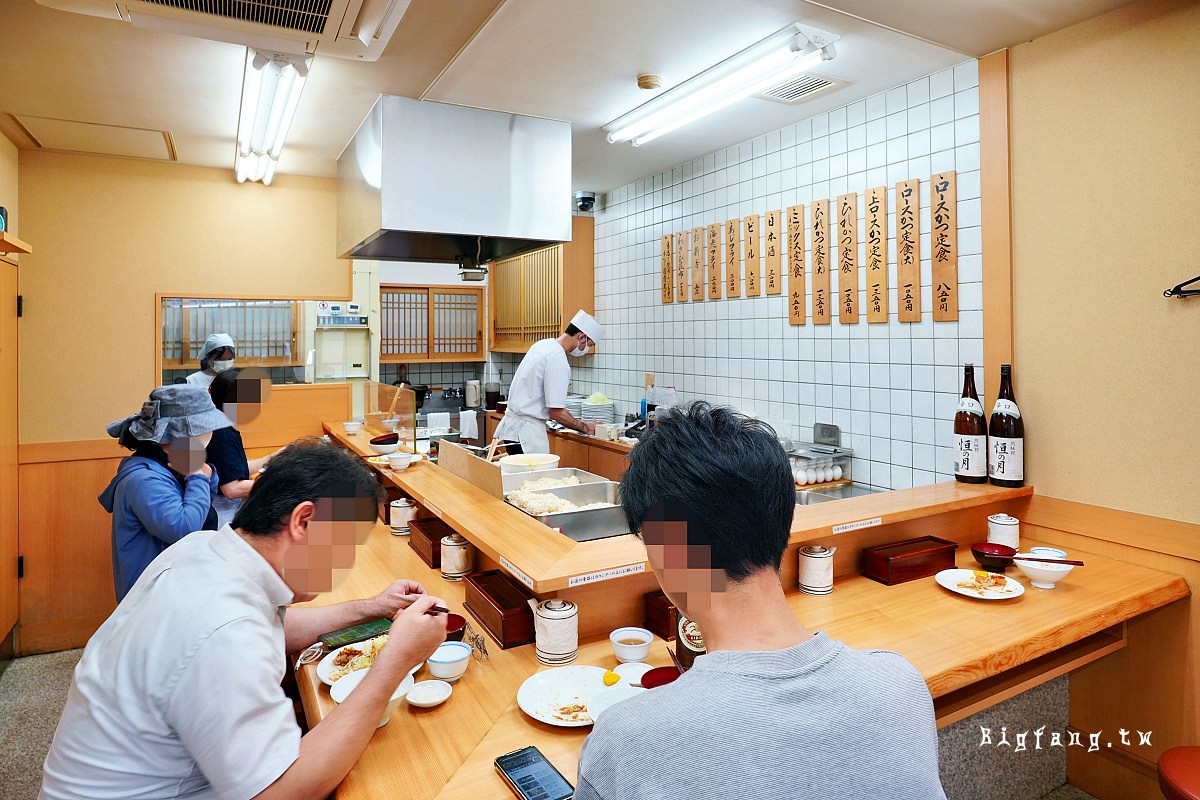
x=425, y=181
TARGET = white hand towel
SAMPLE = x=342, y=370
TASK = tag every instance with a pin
x=468, y=424
x=438, y=419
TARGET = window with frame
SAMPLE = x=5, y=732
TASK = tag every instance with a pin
x=435, y=323
x=266, y=332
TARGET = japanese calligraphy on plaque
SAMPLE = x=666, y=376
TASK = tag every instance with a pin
x=847, y=233
x=943, y=245
x=681, y=276
x=733, y=259
x=877, y=255
x=797, y=313
x=714, y=261
x=908, y=250
x=773, y=252
x=753, y=257
x=820, y=263
x=668, y=269
x=698, y=263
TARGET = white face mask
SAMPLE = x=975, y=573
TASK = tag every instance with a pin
x=579, y=351
x=220, y=366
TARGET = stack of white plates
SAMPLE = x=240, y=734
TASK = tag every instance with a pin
x=574, y=405
x=598, y=412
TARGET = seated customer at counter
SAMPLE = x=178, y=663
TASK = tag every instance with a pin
x=178, y=693
x=165, y=490
x=239, y=395
x=773, y=710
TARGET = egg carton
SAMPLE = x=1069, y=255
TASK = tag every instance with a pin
x=820, y=463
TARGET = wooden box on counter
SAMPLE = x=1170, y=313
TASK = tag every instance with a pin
x=908, y=560
x=659, y=615
x=425, y=538
x=501, y=605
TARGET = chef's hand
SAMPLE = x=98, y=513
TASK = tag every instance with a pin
x=415, y=633
x=589, y=428
x=400, y=594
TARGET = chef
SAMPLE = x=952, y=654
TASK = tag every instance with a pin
x=539, y=388
x=216, y=357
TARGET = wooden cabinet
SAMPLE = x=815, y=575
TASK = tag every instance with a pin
x=572, y=452
x=8, y=448
x=418, y=323
x=606, y=463
x=534, y=295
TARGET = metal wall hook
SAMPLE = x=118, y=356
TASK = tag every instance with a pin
x=1180, y=291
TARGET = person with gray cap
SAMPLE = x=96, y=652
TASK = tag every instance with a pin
x=215, y=357
x=539, y=388
x=164, y=491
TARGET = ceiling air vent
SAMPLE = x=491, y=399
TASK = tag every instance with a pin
x=798, y=89
x=309, y=16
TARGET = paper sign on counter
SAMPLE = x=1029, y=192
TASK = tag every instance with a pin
x=605, y=575
x=516, y=573
x=853, y=526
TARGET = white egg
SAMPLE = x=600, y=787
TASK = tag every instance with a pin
x=837, y=472
x=827, y=474
x=801, y=476
x=811, y=474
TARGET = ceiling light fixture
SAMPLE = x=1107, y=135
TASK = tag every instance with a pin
x=781, y=56
x=270, y=93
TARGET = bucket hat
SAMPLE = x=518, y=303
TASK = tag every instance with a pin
x=172, y=412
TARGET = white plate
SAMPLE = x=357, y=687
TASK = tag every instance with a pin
x=632, y=671
x=438, y=692
x=610, y=697
x=381, y=461
x=325, y=666
x=542, y=694
x=950, y=578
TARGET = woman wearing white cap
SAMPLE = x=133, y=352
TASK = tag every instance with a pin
x=539, y=388
x=216, y=357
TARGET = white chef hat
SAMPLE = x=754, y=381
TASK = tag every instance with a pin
x=589, y=325
x=215, y=342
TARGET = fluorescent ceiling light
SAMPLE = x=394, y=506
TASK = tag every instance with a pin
x=781, y=56
x=271, y=91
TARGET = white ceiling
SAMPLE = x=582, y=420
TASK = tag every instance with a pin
x=575, y=60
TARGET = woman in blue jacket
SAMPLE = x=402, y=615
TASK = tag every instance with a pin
x=164, y=490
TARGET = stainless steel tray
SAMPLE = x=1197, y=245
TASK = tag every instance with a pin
x=512, y=481
x=595, y=523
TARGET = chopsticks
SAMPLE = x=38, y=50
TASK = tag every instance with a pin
x=675, y=660
x=1043, y=560
x=432, y=611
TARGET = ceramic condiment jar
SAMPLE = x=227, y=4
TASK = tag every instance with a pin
x=816, y=569
x=458, y=557
x=556, y=627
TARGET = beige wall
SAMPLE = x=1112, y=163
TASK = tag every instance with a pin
x=8, y=182
x=108, y=233
x=1105, y=168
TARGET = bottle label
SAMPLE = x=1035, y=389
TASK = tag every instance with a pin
x=1007, y=407
x=972, y=458
x=690, y=636
x=1006, y=459
x=971, y=406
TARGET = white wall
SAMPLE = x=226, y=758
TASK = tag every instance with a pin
x=891, y=388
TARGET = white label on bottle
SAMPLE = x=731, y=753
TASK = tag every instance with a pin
x=972, y=460
x=1006, y=459
x=970, y=405
x=1007, y=407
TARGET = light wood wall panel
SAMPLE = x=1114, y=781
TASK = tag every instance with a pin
x=1108, y=103
x=111, y=233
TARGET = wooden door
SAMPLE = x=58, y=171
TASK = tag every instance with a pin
x=8, y=446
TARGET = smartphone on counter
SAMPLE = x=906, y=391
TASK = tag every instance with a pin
x=531, y=775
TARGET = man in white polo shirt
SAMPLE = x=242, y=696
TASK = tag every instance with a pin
x=539, y=388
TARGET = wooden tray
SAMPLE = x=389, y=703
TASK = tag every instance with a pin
x=425, y=538
x=908, y=560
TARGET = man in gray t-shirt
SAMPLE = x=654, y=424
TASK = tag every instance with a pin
x=772, y=712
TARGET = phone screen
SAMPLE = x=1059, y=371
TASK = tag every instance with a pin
x=532, y=776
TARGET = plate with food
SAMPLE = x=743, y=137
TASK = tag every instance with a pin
x=351, y=658
x=979, y=584
x=565, y=696
x=381, y=461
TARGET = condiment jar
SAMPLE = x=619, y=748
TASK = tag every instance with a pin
x=458, y=557
x=816, y=569
x=556, y=628
x=1006, y=530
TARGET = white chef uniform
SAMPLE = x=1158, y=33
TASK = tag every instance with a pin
x=540, y=384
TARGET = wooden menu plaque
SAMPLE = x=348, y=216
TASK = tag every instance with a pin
x=908, y=250
x=943, y=244
x=820, y=263
x=681, y=276
x=714, y=261
x=877, y=255
x=501, y=605
x=773, y=252
x=847, y=247
x=733, y=260
x=698, y=253
x=668, y=269
x=751, y=234
x=797, y=295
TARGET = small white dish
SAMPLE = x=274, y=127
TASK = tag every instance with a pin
x=342, y=689
x=428, y=694
x=632, y=671
x=352, y=428
x=398, y=462
x=449, y=661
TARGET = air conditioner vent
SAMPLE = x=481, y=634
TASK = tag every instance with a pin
x=308, y=16
x=798, y=89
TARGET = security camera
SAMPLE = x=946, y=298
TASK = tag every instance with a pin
x=585, y=201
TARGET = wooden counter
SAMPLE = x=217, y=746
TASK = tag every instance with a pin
x=972, y=654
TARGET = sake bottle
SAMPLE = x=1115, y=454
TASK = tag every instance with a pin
x=970, y=434
x=1006, y=436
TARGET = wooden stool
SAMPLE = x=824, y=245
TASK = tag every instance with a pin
x=1179, y=773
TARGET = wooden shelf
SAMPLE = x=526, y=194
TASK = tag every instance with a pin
x=11, y=244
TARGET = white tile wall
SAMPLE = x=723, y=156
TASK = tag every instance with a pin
x=892, y=388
